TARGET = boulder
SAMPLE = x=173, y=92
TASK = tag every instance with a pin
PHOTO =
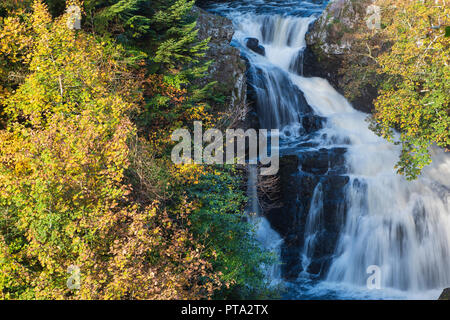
x=299, y=176
x=253, y=44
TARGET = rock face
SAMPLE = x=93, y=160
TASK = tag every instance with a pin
x=311, y=180
x=332, y=32
x=299, y=188
x=228, y=69
x=445, y=295
x=331, y=39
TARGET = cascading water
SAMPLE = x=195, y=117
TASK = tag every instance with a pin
x=400, y=226
x=349, y=208
x=313, y=226
x=266, y=236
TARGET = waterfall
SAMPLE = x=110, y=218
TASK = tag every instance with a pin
x=401, y=226
x=361, y=213
x=265, y=235
x=313, y=226
x=279, y=101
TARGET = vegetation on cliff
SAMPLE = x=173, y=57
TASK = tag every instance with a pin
x=91, y=206
x=400, y=67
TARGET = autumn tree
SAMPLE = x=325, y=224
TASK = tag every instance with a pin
x=63, y=197
x=414, y=97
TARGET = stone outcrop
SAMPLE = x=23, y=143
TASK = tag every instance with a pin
x=228, y=69
x=445, y=295
x=332, y=39
x=332, y=32
x=296, y=195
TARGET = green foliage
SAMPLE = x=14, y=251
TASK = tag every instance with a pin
x=130, y=20
x=406, y=63
x=180, y=44
x=83, y=182
x=221, y=221
x=181, y=47
x=63, y=196
x=166, y=32
x=16, y=42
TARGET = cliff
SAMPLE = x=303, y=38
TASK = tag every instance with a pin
x=333, y=34
x=227, y=68
x=337, y=50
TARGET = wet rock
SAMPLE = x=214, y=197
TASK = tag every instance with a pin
x=253, y=44
x=286, y=220
x=312, y=123
x=327, y=69
x=331, y=39
x=291, y=255
x=228, y=69
x=263, y=97
x=299, y=176
x=315, y=162
x=298, y=63
x=279, y=216
x=322, y=161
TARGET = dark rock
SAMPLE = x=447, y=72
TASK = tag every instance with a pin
x=445, y=295
x=228, y=69
x=278, y=216
x=328, y=69
x=291, y=255
x=364, y=102
x=299, y=177
x=253, y=44
x=312, y=123
x=323, y=160
x=315, y=162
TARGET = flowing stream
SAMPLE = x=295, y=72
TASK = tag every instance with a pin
x=346, y=210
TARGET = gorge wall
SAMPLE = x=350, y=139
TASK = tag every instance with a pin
x=336, y=44
x=227, y=67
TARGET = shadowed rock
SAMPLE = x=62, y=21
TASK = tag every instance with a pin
x=227, y=68
x=445, y=295
x=253, y=44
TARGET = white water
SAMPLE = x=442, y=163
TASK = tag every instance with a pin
x=266, y=236
x=313, y=226
x=403, y=227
